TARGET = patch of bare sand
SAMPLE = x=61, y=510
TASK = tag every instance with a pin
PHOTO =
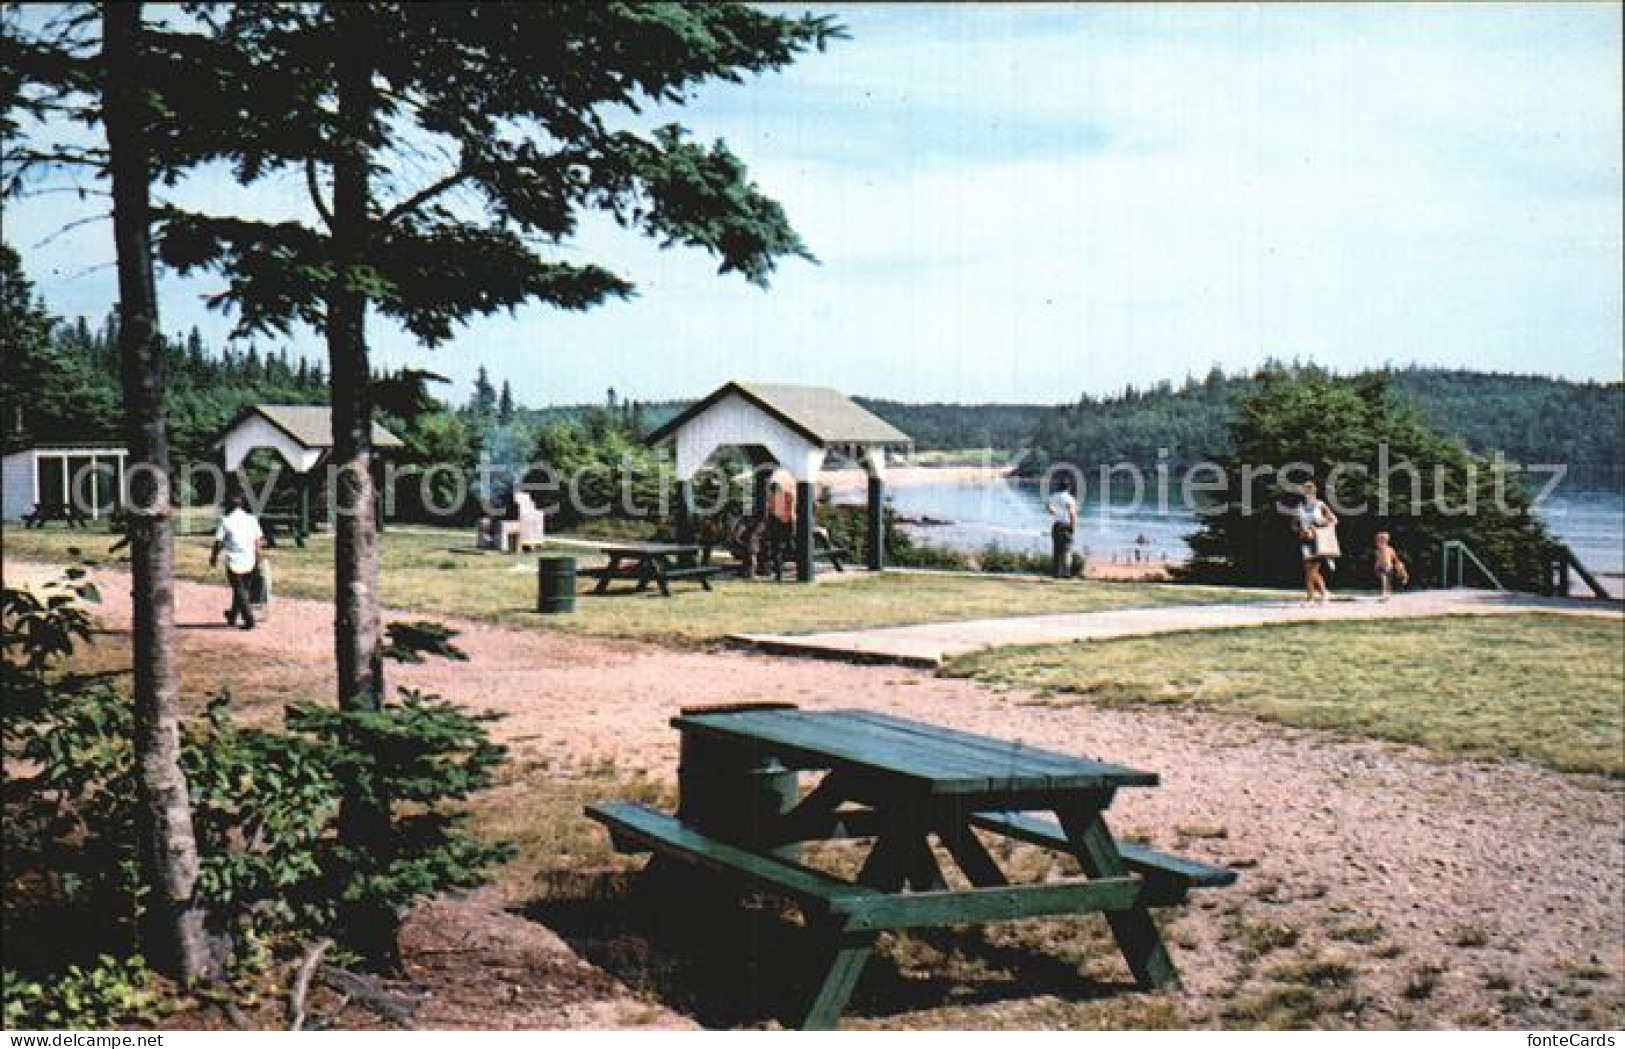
x=1443, y=893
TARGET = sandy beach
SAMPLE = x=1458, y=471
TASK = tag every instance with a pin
x=854, y=479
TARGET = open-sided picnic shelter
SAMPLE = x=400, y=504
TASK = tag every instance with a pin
x=302, y=436
x=794, y=428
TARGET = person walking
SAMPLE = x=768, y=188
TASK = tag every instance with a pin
x=1063, y=511
x=1389, y=566
x=1317, y=542
x=240, y=538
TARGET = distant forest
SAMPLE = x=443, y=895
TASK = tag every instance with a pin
x=63, y=385
x=1527, y=418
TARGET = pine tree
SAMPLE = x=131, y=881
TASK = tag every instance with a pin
x=505, y=404
x=524, y=94
x=484, y=401
x=167, y=844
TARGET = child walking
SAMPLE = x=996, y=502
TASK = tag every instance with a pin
x=1389, y=566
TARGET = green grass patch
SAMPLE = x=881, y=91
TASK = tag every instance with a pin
x=1543, y=688
x=430, y=570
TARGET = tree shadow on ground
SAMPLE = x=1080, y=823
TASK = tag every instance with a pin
x=729, y=960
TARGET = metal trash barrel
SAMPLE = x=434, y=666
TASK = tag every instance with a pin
x=555, y=584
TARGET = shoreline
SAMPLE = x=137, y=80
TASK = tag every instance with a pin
x=849, y=479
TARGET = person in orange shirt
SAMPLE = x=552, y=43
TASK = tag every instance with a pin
x=781, y=522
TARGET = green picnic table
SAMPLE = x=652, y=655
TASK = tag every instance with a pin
x=68, y=513
x=659, y=563
x=742, y=817
x=292, y=524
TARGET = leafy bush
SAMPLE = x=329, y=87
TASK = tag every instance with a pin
x=1350, y=433
x=995, y=558
x=108, y=993
x=848, y=527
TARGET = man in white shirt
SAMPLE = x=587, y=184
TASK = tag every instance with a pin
x=239, y=537
x=1063, y=509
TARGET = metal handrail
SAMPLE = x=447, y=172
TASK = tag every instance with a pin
x=1565, y=559
x=1463, y=553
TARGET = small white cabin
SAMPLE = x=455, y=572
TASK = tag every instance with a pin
x=89, y=476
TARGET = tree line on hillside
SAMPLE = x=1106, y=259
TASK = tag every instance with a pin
x=1529, y=419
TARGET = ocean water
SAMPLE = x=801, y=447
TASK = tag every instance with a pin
x=1011, y=514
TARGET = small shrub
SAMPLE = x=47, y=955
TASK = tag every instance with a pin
x=266, y=809
x=109, y=993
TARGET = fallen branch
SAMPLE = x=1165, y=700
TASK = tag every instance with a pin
x=301, y=984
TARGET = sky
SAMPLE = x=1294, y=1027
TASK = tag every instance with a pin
x=1023, y=204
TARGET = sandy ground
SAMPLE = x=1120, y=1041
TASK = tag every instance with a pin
x=1503, y=885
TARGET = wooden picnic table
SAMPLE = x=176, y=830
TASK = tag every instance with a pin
x=900, y=783
x=68, y=513
x=292, y=524
x=658, y=563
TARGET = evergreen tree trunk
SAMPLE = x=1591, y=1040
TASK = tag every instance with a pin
x=172, y=928
x=363, y=822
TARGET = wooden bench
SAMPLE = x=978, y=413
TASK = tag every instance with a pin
x=638, y=828
x=834, y=555
x=289, y=523
x=1168, y=878
x=703, y=573
x=856, y=908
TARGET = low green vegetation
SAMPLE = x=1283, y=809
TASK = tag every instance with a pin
x=1379, y=466
x=1542, y=688
x=265, y=807
x=436, y=571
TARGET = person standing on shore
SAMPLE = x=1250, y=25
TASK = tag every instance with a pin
x=239, y=537
x=1063, y=511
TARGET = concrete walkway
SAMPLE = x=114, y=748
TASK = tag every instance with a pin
x=929, y=644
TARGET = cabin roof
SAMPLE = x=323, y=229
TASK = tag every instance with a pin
x=822, y=415
x=309, y=425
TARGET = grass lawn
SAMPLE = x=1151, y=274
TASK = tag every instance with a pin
x=1548, y=689
x=433, y=571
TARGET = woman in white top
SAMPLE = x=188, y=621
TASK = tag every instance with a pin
x=1317, y=538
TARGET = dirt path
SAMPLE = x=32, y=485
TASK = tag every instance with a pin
x=1449, y=893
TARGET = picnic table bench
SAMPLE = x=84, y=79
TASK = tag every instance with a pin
x=72, y=515
x=658, y=563
x=291, y=524
x=743, y=818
